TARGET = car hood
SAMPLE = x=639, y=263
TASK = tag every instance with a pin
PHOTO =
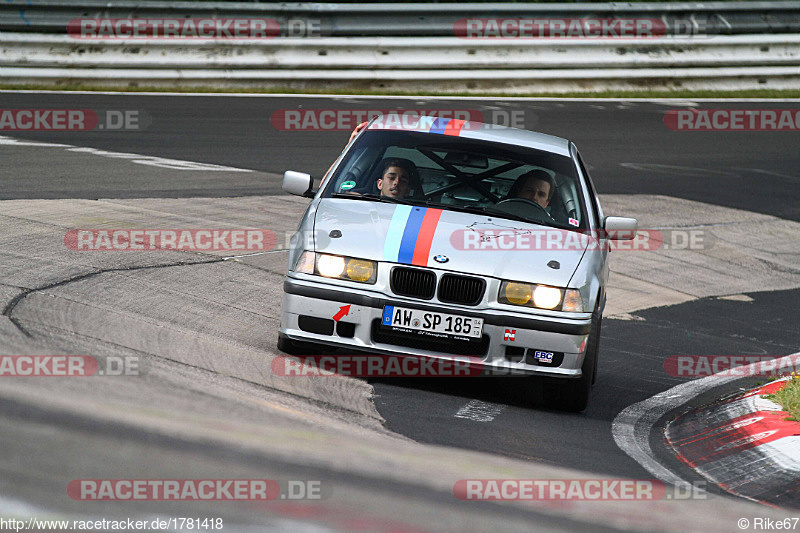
x=448, y=240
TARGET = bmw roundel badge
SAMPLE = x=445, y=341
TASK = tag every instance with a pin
x=441, y=258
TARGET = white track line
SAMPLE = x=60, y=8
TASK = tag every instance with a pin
x=149, y=160
x=479, y=411
x=632, y=427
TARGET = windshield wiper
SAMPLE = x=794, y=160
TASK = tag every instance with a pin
x=474, y=209
x=486, y=211
x=537, y=220
x=373, y=198
x=463, y=208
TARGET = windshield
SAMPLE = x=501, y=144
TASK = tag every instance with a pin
x=495, y=179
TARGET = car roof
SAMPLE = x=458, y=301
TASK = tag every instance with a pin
x=471, y=130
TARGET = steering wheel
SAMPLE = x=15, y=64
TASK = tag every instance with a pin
x=520, y=207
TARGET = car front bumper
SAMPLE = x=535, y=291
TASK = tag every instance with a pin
x=317, y=302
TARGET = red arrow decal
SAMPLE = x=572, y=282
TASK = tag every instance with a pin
x=343, y=311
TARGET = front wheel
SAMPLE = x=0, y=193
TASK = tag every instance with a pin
x=573, y=395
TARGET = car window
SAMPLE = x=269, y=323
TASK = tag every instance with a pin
x=598, y=213
x=449, y=172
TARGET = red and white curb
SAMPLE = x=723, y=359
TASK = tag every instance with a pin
x=744, y=445
x=760, y=455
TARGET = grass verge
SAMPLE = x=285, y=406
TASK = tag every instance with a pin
x=789, y=397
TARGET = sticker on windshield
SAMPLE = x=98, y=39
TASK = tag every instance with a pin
x=573, y=222
x=347, y=185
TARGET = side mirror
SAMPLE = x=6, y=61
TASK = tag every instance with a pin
x=298, y=183
x=620, y=228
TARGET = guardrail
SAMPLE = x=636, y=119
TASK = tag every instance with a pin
x=408, y=19
x=408, y=64
x=439, y=63
x=389, y=56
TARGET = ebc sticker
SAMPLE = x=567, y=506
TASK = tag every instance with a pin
x=347, y=185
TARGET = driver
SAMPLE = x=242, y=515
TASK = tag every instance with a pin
x=394, y=180
x=537, y=186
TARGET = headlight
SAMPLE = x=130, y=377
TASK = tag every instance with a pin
x=336, y=266
x=546, y=297
x=360, y=270
x=517, y=293
x=540, y=296
x=330, y=266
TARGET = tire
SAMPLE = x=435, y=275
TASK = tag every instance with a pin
x=573, y=395
x=595, y=348
x=288, y=346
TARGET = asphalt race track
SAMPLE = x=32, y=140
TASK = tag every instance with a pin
x=202, y=327
x=627, y=144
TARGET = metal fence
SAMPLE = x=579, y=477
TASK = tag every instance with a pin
x=405, y=19
x=408, y=47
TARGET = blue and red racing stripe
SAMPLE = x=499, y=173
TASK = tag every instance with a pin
x=410, y=235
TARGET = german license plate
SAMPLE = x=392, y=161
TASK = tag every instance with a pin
x=436, y=324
